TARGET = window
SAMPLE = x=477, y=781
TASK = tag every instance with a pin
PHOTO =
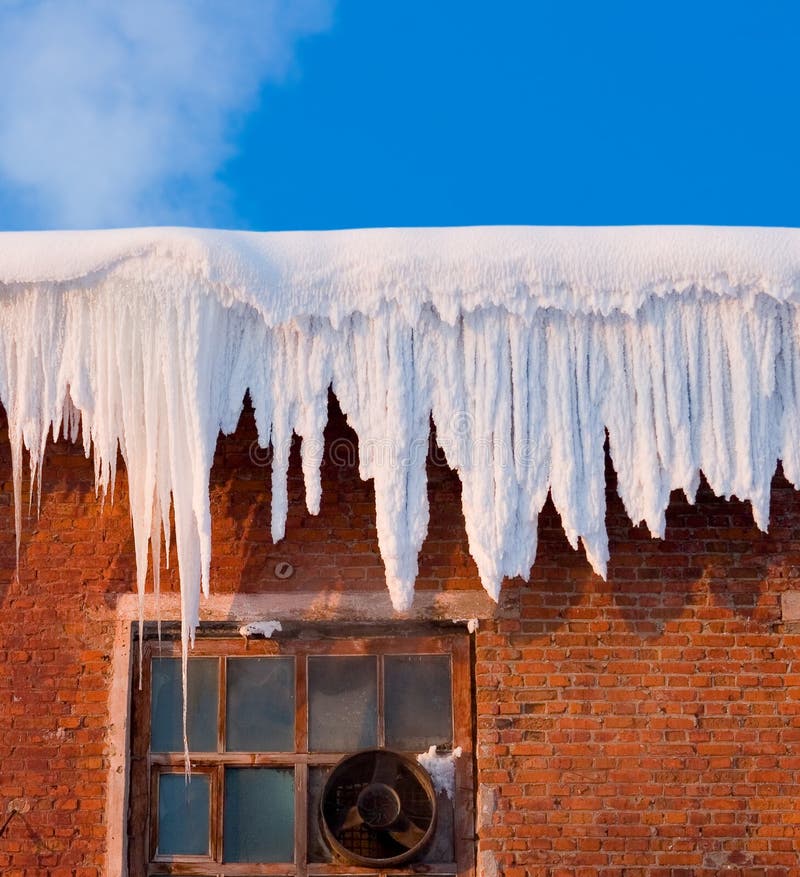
x=267, y=721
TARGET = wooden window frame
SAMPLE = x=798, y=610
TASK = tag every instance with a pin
x=302, y=644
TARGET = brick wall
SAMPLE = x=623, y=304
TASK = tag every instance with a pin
x=649, y=724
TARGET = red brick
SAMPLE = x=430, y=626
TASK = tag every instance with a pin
x=617, y=718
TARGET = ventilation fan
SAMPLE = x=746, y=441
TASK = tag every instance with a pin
x=378, y=808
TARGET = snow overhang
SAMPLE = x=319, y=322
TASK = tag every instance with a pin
x=526, y=346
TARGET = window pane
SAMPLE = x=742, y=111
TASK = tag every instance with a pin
x=417, y=700
x=318, y=849
x=260, y=705
x=342, y=703
x=259, y=815
x=183, y=811
x=167, y=705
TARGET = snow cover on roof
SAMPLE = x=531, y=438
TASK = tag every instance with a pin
x=525, y=345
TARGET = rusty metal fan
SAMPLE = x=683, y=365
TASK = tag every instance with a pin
x=378, y=808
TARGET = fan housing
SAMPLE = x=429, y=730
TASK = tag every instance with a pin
x=378, y=808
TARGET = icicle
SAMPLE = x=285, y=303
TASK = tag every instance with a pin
x=155, y=547
x=314, y=368
x=525, y=346
x=381, y=383
x=283, y=413
x=789, y=392
x=16, y=468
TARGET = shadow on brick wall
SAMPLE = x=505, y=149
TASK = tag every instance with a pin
x=713, y=562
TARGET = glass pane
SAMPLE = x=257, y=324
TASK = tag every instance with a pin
x=183, y=813
x=259, y=815
x=417, y=700
x=260, y=705
x=342, y=703
x=166, y=705
x=441, y=847
x=318, y=849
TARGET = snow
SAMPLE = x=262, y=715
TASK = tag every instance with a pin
x=260, y=628
x=527, y=346
x=441, y=766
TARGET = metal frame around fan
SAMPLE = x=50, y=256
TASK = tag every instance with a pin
x=379, y=808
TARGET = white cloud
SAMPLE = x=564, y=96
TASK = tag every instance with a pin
x=120, y=112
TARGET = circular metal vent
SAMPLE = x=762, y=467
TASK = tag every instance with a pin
x=378, y=808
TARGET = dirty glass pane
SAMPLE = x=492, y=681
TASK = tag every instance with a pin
x=166, y=705
x=342, y=703
x=260, y=705
x=417, y=701
x=318, y=850
x=258, y=815
x=183, y=814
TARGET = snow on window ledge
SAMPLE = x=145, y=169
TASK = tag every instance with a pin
x=441, y=767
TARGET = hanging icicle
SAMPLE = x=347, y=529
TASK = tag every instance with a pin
x=526, y=347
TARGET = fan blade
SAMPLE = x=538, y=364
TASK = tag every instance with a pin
x=385, y=770
x=407, y=833
x=352, y=819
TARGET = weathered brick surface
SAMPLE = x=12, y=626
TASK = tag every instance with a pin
x=649, y=724
x=646, y=725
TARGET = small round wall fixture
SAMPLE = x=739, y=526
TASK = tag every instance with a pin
x=284, y=570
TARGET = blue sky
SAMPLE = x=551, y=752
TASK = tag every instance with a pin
x=315, y=114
